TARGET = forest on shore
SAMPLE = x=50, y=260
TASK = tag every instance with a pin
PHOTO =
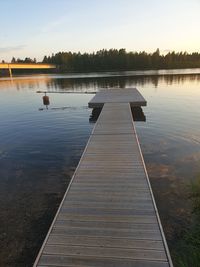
x=118, y=60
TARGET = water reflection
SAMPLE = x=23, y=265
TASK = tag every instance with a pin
x=137, y=113
x=118, y=82
x=95, y=115
x=90, y=84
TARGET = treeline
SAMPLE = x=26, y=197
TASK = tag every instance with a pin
x=26, y=60
x=114, y=59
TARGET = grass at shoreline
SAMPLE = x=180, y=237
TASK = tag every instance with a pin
x=186, y=252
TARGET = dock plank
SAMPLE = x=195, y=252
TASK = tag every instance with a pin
x=105, y=242
x=78, y=261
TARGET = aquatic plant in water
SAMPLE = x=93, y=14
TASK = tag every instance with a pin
x=187, y=249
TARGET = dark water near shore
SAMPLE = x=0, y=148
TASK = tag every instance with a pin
x=40, y=148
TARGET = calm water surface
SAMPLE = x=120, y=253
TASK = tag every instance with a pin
x=40, y=148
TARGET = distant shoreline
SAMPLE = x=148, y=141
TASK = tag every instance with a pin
x=93, y=74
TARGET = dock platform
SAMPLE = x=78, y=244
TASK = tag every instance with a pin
x=129, y=95
x=108, y=216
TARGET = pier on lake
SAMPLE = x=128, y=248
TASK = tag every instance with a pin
x=24, y=66
x=108, y=216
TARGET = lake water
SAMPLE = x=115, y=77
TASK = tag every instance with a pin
x=40, y=147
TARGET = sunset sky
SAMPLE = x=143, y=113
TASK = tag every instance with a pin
x=42, y=27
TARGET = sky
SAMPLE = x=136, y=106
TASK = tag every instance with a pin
x=42, y=27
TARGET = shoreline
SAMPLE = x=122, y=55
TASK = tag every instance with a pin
x=117, y=73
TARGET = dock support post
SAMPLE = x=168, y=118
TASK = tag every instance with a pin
x=10, y=71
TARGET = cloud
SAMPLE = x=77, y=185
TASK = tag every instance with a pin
x=54, y=25
x=8, y=49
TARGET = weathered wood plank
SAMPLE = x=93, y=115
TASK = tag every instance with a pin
x=86, y=251
x=106, y=242
x=104, y=211
x=138, y=234
x=108, y=225
x=77, y=261
x=108, y=218
x=101, y=205
x=105, y=199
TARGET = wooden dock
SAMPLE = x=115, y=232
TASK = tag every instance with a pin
x=108, y=216
x=11, y=66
